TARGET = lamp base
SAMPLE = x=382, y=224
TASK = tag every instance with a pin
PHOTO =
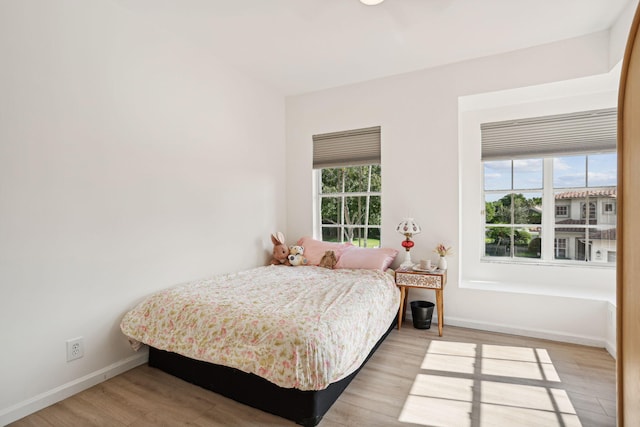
x=407, y=263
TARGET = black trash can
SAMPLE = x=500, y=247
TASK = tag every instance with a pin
x=421, y=312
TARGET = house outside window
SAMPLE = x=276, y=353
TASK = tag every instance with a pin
x=348, y=183
x=587, y=180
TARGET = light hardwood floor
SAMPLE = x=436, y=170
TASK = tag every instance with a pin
x=465, y=378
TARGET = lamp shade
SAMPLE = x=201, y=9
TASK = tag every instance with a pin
x=371, y=2
x=408, y=227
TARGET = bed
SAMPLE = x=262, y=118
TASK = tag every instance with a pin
x=286, y=340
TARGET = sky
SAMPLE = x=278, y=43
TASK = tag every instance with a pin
x=568, y=172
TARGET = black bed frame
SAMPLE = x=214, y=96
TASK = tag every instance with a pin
x=304, y=407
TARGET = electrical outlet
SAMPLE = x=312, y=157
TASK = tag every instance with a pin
x=75, y=348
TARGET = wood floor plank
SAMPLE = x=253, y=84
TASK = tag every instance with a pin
x=415, y=379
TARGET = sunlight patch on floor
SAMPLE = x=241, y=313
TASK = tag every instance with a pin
x=436, y=412
x=526, y=396
x=442, y=362
x=463, y=386
x=443, y=387
x=496, y=415
x=524, y=354
x=451, y=348
x=517, y=369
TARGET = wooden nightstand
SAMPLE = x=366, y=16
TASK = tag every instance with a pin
x=418, y=279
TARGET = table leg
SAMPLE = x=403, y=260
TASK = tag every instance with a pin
x=440, y=307
x=401, y=311
x=406, y=298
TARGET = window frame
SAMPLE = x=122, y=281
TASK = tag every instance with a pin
x=593, y=210
x=343, y=195
x=560, y=244
x=567, y=213
x=548, y=233
x=609, y=212
x=511, y=252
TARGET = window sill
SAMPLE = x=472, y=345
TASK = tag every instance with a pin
x=542, y=263
x=600, y=294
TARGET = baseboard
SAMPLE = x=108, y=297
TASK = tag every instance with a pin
x=48, y=398
x=611, y=348
x=533, y=333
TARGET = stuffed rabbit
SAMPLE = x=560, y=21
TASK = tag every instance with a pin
x=280, y=250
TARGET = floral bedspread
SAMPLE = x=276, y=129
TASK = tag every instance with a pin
x=298, y=327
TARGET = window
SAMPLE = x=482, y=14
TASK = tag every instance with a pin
x=560, y=248
x=348, y=172
x=587, y=181
x=592, y=210
x=350, y=204
x=544, y=181
x=513, y=208
x=609, y=208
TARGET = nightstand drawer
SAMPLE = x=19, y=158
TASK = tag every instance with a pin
x=420, y=280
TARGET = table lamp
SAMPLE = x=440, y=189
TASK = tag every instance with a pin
x=408, y=227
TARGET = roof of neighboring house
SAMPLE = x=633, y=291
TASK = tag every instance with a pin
x=607, y=234
x=570, y=221
x=605, y=192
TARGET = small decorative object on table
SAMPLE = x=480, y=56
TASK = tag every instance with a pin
x=408, y=227
x=443, y=251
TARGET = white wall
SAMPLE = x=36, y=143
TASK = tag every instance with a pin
x=127, y=157
x=418, y=113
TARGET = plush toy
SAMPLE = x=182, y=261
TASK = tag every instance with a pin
x=328, y=260
x=280, y=250
x=296, y=256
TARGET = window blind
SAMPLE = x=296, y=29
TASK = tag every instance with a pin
x=347, y=148
x=583, y=132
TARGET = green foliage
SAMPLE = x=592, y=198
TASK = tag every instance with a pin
x=499, y=235
x=521, y=237
x=523, y=210
x=535, y=246
x=490, y=213
x=511, y=210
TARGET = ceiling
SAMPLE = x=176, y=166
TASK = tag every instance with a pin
x=300, y=46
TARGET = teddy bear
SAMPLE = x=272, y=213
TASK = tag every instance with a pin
x=296, y=256
x=280, y=250
x=328, y=260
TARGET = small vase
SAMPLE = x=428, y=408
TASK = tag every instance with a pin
x=442, y=264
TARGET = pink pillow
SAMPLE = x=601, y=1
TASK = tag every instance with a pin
x=314, y=249
x=367, y=258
